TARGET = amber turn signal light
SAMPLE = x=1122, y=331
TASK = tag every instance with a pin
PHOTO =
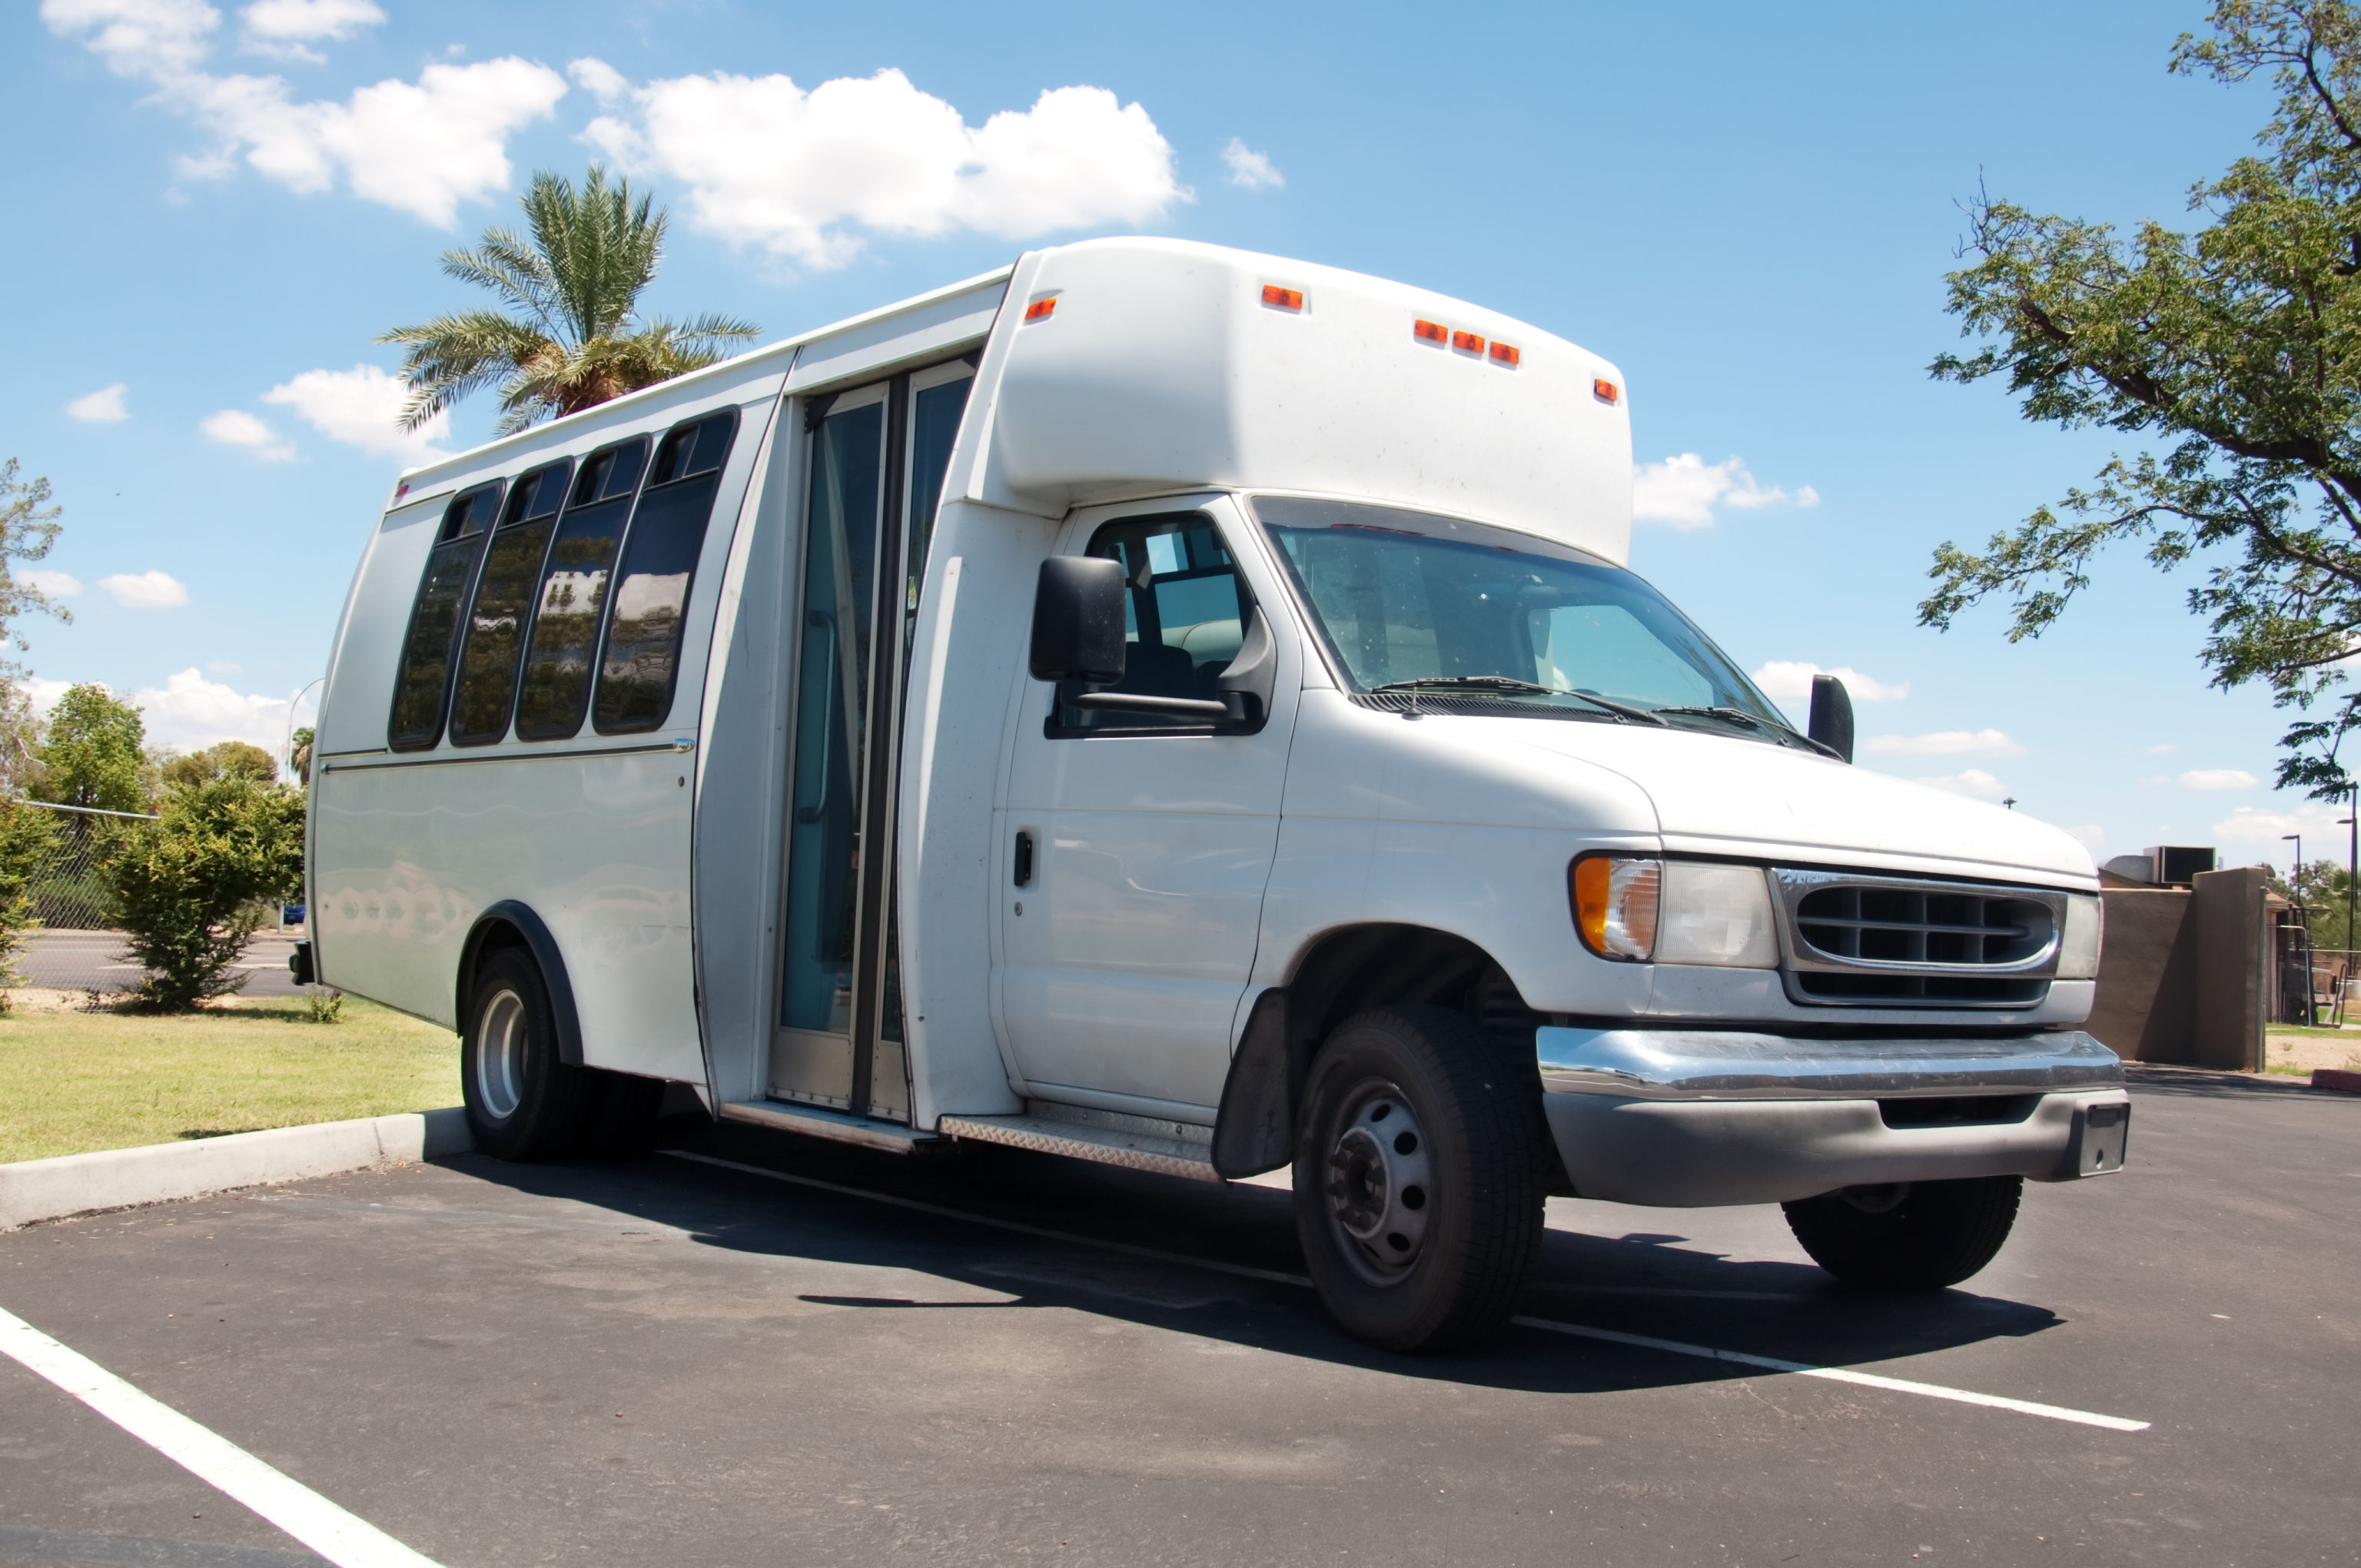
x=1039, y=310
x=1283, y=299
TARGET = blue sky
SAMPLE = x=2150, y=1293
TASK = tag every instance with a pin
x=1750, y=208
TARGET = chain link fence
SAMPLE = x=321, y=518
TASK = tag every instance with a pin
x=74, y=948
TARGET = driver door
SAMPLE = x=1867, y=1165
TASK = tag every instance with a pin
x=1135, y=847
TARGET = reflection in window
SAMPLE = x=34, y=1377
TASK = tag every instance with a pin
x=555, y=690
x=642, y=650
x=1182, y=617
x=504, y=592
x=422, y=683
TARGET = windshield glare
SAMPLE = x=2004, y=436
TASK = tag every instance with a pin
x=1403, y=596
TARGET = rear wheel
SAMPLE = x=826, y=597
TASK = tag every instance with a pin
x=1417, y=1192
x=1910, y=1236
x=523, y=1101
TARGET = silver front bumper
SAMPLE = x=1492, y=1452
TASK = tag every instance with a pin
x=1690, y=1118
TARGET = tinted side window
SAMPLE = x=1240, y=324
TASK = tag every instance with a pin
x=642, y=647
x=422, y=683
x=556, y=688
x=494, y=633
x=1182, y=617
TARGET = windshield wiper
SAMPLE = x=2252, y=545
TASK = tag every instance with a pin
x=1756, y=721
x=1511, y=686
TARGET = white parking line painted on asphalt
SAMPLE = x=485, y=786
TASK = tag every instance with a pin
x=1842, y=1375
x=344, y=1539
x=1611, y=1336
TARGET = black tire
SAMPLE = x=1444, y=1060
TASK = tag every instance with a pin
x=523, y=1103
x=1920, y=1235
x=1424, y=1245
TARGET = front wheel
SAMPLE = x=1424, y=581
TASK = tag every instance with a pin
x=1911, y=1236
x=1417, y=1196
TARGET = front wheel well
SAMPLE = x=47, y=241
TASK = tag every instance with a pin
x=1344, y=973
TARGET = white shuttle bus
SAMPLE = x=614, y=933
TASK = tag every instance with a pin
x=1184, y=709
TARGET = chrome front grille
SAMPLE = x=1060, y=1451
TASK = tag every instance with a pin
x=1854, y=940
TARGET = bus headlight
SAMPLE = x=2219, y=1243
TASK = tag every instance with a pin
x=2078, y=945
x=1716, y=914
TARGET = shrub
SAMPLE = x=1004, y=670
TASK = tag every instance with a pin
x=27, y=836
x=190, y=888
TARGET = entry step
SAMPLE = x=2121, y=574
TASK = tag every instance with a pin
x=1110, y=1137
x=821, y=1121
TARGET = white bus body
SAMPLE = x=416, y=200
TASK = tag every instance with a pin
x=707, y=738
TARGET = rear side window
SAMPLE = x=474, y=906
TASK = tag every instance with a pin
x=494, y=633
x=642, y=649
x=1182, y=617
x=423, y=685
x=555, y=687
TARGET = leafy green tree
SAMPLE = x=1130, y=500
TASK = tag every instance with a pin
x=223, y=760
x=28, y=527
x=2232, y=351
x=575, y=282
x=28, y=835
x=93, y=755
x=190, y=888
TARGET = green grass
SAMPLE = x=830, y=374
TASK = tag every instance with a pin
x=71, y=1083
x=2322, y=1033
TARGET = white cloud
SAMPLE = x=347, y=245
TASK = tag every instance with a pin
x=2263, y=829
x=235, y=427
x=1973, y=782
x=225, y=667
x=799, y=172
x=136, y=37
x=2160, y=751
x=56, y=584
x=189, y=712
x=2093, y=837
x=101, y=407
x=1792, y=679
x=599, y=78
x=1946, y=744
x=360, y=407
x=147, y=590
x=284, y=26
x=421, y=147
x=1681, y=492
x=1252, y=170
x=2217, y=778
x=43, y=692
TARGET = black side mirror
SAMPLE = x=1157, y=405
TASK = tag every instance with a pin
x=1078, y=620
x=1832, y=721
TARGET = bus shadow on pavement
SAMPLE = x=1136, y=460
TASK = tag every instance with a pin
x=1004, y=1199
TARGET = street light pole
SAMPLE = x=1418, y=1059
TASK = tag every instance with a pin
x=2295, y=886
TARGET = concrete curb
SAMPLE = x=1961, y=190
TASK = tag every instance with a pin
x=2337, y=1078
x=37, y=1189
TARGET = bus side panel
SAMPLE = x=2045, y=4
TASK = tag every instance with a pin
x=597, y=845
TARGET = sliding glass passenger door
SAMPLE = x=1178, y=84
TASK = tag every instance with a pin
x=875, y=457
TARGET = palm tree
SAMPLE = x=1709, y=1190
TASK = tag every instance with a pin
x=575, y=282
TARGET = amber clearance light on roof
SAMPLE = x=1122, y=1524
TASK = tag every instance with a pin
x=1504, y=355
x=1606, y=392
x=1282, y=299
x=1468, y=342
x=1430, y=332
x=1039, y=310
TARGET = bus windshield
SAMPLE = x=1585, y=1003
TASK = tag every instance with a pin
x=1413, y=602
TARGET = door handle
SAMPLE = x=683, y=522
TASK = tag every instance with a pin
x=1024, y=859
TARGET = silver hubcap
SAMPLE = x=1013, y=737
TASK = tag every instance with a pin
x=1380, y=1183
x=499, y=1056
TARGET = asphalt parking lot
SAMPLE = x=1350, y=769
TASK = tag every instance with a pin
x=994, y=1356
x=85, y=961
